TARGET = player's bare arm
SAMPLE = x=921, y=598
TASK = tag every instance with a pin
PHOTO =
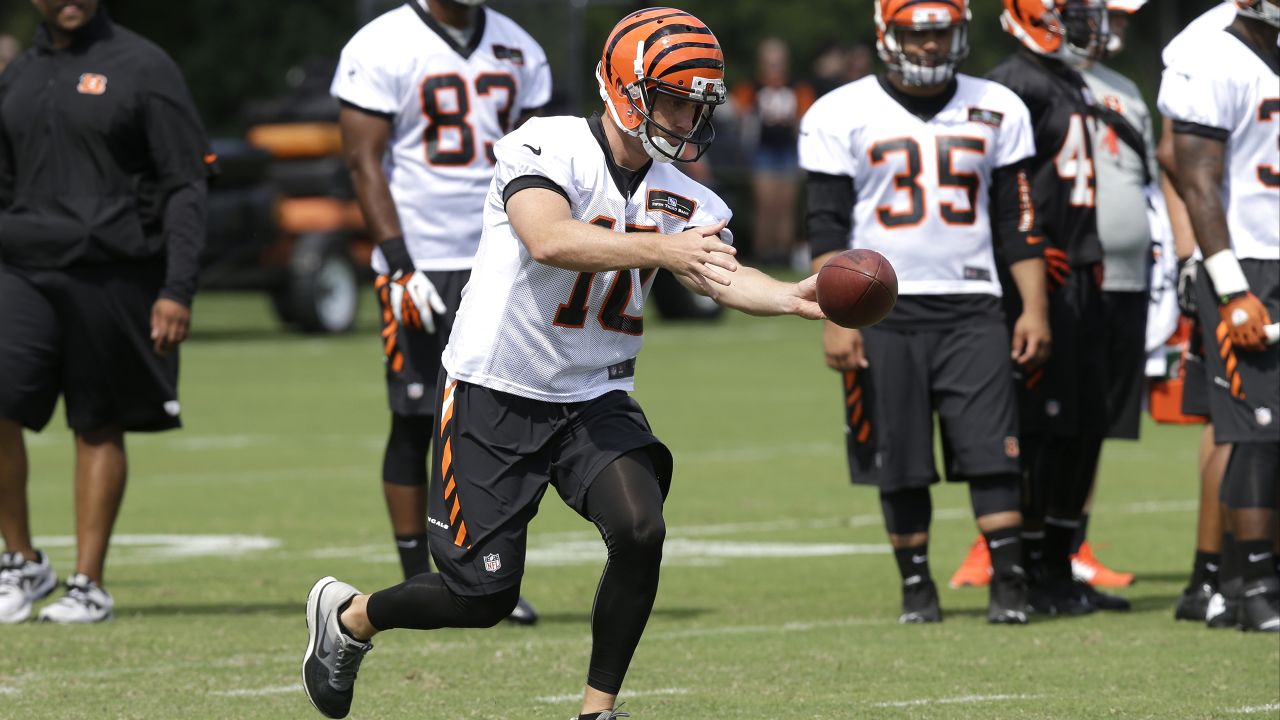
x=748, y=290
x=1201, y=161
x=842, y=347
x=364, y=138
x=1031, y=336
x=544, y=222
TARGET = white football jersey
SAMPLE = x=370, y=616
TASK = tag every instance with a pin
x=1183, y=45
x=922, y=186
x=559, y=335
x=448, y=104
x=1227, y=86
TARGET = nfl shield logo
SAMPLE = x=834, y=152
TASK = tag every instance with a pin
x=492, y=563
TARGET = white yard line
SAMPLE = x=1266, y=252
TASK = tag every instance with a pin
x=6, y=690
x=259, y=692
x=1255, y=709
x=962, y=700
x=570, y=697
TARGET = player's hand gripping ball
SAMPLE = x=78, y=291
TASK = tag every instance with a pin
x=857, y=288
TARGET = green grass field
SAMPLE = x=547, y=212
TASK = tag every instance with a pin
x=779, y=599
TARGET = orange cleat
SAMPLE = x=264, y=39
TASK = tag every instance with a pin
x=975, y=571
x=1087, y=568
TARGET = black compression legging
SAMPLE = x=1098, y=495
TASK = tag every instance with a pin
x=625, y=503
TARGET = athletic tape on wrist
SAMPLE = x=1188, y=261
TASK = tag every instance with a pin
x=1225, y=272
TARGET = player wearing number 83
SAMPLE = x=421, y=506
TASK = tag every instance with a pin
x=580, y=214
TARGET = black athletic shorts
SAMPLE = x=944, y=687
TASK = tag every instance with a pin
x=1067, y=396
x=961, y=372
x=412, y=357
x=1244, y=392
x=1125, y=314
x=85, y=332
x=1195, y=376
x=493, y=457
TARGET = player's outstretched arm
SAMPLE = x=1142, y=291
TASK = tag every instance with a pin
x=755, y=293
x=543, y=221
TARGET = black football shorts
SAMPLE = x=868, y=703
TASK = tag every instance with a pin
x=412, y=356
x=1067, y=396
x=1125, y=335
x=962, y=373
x=1244, y=387
x=494, y=455
x=85, y=332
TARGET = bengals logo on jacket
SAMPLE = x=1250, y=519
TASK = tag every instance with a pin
x=92, y=84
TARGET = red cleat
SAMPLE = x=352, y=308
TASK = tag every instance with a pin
x=975, y=571
x=1087, y=568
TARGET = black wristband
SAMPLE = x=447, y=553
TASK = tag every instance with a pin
x=397, y=255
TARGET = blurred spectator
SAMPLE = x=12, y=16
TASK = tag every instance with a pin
x=839, y=64
x=772, y=105
x=9, y=49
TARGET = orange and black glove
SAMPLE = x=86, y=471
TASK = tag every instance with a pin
x=1246, y=319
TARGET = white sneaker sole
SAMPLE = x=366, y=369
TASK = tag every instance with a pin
x=313, y=631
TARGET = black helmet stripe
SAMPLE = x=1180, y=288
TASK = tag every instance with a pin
x=668, y=50
x=621, y=32
x=693, y=65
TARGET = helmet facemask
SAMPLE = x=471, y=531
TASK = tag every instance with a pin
x=1263, y=10
x=1085, y=31
x=927, y=69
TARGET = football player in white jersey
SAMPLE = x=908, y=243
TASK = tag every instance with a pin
x=426, y=90
x=1225, y=106
x=1197, y=601
x=580, y=214
x=920, y=164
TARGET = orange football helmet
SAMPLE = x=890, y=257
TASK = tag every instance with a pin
x=896, y=16
x=1069, y=30
x=1265, y=10
x=662, y=51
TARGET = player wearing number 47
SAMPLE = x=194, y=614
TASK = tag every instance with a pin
x=580, y=214
x=922, y=165
x=426, y=90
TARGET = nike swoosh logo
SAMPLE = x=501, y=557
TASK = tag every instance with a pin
x=1259, y=557
x=997, y=544
x=407, y=544
x=919, y=559
x=322, y=652
x=534, y=150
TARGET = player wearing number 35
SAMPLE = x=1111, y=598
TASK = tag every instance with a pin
x=580, y=214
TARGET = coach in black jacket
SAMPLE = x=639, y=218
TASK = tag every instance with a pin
x=103, y=163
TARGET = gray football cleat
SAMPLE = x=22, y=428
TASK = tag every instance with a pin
x=523, y=613
x=22, y=583
x=332, y=659
x=1260, y=606
x=919, y=601
x=607, y=715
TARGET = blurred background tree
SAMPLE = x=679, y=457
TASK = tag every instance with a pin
x=234, y=52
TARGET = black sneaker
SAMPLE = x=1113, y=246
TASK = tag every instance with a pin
x=1193, y=604
x=1007, y=604
x=1260, y=606
x=920, y=601
x=1223, y=611
x=523, y=613
x=1103, y=601
x=1058, y=596
x=333, y=657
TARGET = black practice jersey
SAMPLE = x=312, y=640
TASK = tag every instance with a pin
x=1064, y=185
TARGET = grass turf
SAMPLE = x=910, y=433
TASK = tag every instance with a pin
x=778, y=596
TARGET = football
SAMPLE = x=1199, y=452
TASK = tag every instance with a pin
x=857, y=288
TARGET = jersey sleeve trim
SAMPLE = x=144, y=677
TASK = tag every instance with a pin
x=1184, y=127
x=525, y=182
x=376, y=113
